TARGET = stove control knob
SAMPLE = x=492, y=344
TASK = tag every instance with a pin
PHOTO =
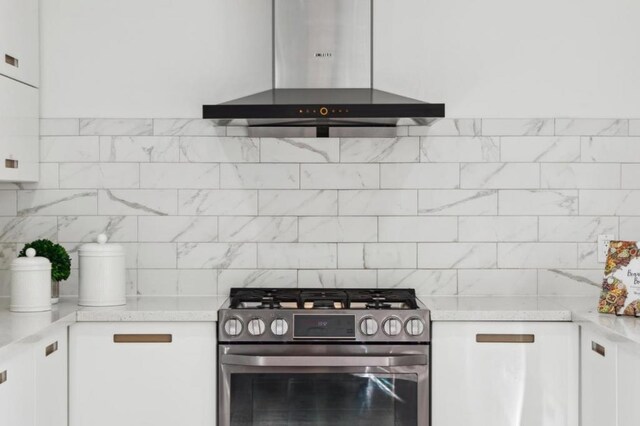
x=279, y=327
x=233, y=327
x=414, y=327
x=368, y=326
x=256, y=327
x=392, y=326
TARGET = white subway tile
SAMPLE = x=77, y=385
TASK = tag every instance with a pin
x=498, y=228
x=157, y=282
x=44, y=202
x=499, y=175
x=297, y=255
x=219, y=150
x=570, y=282
x=457, y=202
x=378, y=202
x=259, y=176
x=329, y=229
x=610, y=149
x=27, y=229
x=186, y=127
x=380, y=150
x=307, y=150
x=139, y=202
x=634, y=127
x=572, y=229
x=258, y=229
x=49, y=179
x=419, y=229
x=139, y=149
x=192, y=229
x=218, y=202
x=59, y=149
x=87, y=228
x=540, y=149
x=99, y=175
x=179, y=175
x=631, y=176
x=273, y=278
x=419, y=176
x=456, y=255
x=538, y=202
x=197, y=282
x=8, y=252
x=448, y=127
x=591, y=127
x=216, y=255
x=629, y=228
x=426, y=282
x=389, y=255
x=116, y=126
x=459, y=149
x=609, y=202
x=339, y=176
x=580, y=176
x=157, y=255
x=517, y=127
x=351, y=255
x=298, y=202
x=588, y=256
x=337, y=278
x=8, y=203
x=497, y=282
x=537, y=255
x=59, y=127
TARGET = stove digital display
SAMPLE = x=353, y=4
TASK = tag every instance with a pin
x=324, y=326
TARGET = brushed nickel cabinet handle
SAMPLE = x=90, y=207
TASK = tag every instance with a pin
x=505, y=338
x=11, y=60
x=142, y=338
x=597, y=348
x=10, y=164
x=3, y=377
x=51, y=349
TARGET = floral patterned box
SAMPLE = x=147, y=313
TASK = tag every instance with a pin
x=621, y=285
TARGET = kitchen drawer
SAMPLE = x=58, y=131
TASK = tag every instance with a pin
x=17, y=390
x=50, y=354
x=598, y=378
x=19, y=40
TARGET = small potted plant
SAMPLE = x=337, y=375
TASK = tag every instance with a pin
x=60, y=262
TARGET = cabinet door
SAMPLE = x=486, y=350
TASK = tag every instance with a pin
x=19, y=40
x=50, y=355
x=628, y=386
x=142, y=374
x=17, y=398
x=598, y=377
x=19, y=132
x=504, y=374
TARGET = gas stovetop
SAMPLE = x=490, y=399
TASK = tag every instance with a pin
x=297, y=315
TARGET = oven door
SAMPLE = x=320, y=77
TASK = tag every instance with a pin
x=322, y=385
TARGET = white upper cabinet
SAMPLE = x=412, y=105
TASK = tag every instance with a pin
x=505, y=374
x=19, y=41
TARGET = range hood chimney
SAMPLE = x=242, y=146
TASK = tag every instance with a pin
x=322, y=78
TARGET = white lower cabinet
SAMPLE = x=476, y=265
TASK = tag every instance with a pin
x=17, y=390
x=50, y=354
x=505, y=373
x=598, y=379
x=628, y=386
x=142, y=374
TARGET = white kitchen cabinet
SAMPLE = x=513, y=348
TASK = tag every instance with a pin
x=17, y=391
x=19, y=40
x=19, y=131
x=628, y=386
x=505, y=373
x=598, y=379
x=50, y=354
x=142, y=374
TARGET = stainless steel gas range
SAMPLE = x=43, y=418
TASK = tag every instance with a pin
x=311, y=357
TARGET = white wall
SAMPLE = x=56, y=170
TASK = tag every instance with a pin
x=491, y=58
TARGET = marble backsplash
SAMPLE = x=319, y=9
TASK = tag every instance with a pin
x=464, y=206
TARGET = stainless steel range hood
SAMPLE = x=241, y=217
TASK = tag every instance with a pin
x=322, y=78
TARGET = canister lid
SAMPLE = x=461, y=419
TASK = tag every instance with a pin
x=31, y=262
x=101, y=247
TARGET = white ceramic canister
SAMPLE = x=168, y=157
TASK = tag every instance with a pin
x=30, y=283
x=102, y=274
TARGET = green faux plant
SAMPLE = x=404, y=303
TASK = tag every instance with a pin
x=57, y=255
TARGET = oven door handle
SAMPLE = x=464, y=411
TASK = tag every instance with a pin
x=325, y=361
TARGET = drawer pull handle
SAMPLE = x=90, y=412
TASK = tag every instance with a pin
x=10, y=164
x=505, y=338
x=3, y=377
x=11, y=60
x=599, y=349
x=51, y=349
x=142, y=338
